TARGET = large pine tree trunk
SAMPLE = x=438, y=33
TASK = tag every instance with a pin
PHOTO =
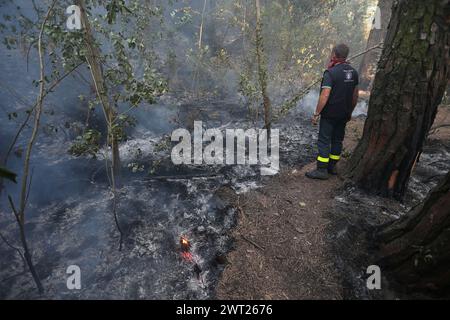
x=370, y=60
x=409, y=85
x=416, y=250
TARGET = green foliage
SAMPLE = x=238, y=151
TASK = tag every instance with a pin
x=12, y=115
x=248, y=88
x=297, y=37
x=154, y=166
x=164, y=144
x=136, y=167
x=128, y=65
x=115, y=7
x=182, y=16
x=118, y=127
x=86, y=144
x=7, y=174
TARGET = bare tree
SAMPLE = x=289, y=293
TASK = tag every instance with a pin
x=25, y=184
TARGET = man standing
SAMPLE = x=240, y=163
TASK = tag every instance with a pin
x=338, y=98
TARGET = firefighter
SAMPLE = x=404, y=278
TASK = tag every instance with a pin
x=338, y=98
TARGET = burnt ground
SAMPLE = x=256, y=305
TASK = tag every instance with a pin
x=303, y=239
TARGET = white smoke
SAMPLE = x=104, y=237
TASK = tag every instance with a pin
x=361, y=109
x=309, y=102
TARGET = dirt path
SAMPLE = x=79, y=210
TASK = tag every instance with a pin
x=281, y=246
x=281, y=251
x=282, y=243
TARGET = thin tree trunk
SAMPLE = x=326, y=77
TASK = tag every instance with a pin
x=370, y=60
x=95, y=65
x=26, y=251
x=200, y=52
x=409, y=85
x=211, y=32
x=244, y=19
x=110, y=114
x=262, y=68
x=25, y=186
x=200, y=34
x=415, y=250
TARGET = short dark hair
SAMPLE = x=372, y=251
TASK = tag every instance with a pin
x=341, y=51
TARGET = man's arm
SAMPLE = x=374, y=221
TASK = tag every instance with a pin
x=355, y=98
x=323, y=99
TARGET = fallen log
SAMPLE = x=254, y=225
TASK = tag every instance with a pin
x=186, y=177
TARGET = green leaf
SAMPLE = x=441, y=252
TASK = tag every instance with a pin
x=5, y=173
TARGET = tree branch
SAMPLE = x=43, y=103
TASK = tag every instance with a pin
x=25, y=122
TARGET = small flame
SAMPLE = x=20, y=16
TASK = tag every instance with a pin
x=185, y=244
x=185, y=249
x=187, y=256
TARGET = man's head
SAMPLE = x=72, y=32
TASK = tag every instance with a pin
x=341, y=51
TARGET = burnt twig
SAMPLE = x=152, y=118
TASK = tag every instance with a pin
x=253, y=243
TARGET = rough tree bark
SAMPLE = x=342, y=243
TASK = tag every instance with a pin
x=377, y=35
x=409, y=85
x=415, y=251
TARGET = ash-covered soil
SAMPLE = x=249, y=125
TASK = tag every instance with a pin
x=70, y=218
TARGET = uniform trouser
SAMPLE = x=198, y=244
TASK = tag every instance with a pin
x=331, y=136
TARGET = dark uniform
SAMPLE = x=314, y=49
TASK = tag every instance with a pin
x=342, y=80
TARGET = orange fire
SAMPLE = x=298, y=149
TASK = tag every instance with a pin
x=185, y=248
x=187, y=256
x=185, y=244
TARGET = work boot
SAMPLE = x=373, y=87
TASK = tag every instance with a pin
x=318, y=174
x=332, y=167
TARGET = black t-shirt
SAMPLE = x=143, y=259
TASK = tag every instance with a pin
x=342, y=80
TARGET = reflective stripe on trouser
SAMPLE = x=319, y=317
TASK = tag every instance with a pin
x=335, y=157
x=323, y=160
x=322, y=163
